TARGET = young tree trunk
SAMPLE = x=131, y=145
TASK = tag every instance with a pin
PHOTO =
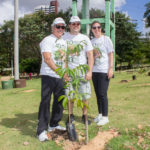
x=86, y=127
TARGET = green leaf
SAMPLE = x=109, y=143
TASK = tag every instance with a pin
x=65, y=101
x=61, y=97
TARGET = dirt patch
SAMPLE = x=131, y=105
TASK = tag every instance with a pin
x=5, y=78
x=28, y=91
x=124, y=81
x=98, y=143
x=138, y=85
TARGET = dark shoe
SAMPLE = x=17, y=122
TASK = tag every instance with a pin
x=83, y=120
x=71, y=118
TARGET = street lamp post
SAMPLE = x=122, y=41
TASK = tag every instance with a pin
x=19, y=83
x=16, y=41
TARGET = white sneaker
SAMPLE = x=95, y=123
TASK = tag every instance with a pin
x=43, y=136
x=50, y=129
x=103, y=121
x=98, y=118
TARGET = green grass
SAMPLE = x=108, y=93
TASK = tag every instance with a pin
x=129, y=106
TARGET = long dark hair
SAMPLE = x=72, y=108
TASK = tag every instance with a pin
x=91, y=33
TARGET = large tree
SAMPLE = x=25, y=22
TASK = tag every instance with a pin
x=147, y=14
x=32, y=29
x=127, y=39
x=6, y=45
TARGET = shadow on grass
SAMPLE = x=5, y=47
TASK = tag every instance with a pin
x=26, y=124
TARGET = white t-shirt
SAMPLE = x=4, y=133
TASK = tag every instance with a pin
x=103, y=47
x=57, y=48
x=77, y=58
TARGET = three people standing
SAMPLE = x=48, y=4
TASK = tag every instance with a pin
x=53, y=49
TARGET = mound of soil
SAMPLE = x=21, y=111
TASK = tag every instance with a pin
x=98, y=143
x=124, y=81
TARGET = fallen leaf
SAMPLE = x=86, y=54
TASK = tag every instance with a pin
x=57, y=141
x=140, y=140
x=1, y=133
x=145, y=146
x=49, y=136
x=81, y=138
x=127, y=130
x=26, y=143
x=131, y=148
x=140, y=126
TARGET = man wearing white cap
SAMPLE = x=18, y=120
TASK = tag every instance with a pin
x=52, y=49
x=73, y=38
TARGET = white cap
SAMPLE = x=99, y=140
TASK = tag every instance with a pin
x=58, y=20
x=74, y=19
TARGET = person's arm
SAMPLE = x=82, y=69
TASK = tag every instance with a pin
x=110, y=70
x=48, y=60
x=90, y=64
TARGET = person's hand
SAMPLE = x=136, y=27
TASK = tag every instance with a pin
x=110, y=73
x=88, y=75
x=66, y=77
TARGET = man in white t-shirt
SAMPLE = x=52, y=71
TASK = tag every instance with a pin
x=53, y=49
x=85, y=56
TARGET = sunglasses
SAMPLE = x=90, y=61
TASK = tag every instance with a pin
x=98, y=27
x=58, y=27
x=76, y=24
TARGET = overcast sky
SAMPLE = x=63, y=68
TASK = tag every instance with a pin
x=27, y=6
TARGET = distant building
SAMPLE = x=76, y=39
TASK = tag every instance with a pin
x=47, y=9
x=44, y=8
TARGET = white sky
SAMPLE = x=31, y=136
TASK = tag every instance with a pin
x=27, y=6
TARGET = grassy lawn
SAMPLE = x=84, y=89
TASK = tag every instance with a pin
x=129, y=114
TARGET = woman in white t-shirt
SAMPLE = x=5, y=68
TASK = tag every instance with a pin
x=102, y=70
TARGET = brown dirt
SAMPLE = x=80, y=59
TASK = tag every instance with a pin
x=98, y=143
x=124, y=81
x=145, y=84
x=28, y=91
x=5, y=78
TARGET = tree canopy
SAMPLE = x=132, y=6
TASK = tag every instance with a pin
x=34, y=27
x=147, y=14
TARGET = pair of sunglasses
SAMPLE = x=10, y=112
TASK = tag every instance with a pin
x=76, y=24
x=58, y=27
x=98, y=27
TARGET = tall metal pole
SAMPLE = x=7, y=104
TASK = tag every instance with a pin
x=74, y=8
x=113, y=29
x=85, y=15
x=16, y=41
x=107, y=17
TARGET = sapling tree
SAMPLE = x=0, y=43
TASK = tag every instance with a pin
x=76, y=77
